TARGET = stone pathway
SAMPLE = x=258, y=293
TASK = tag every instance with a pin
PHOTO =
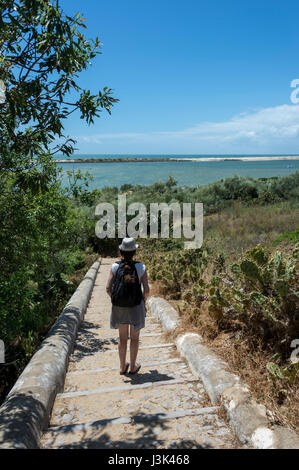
x=163, y=406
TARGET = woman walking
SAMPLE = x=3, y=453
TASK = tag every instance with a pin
x=128, y=288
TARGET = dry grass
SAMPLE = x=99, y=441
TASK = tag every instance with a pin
x=238, y=228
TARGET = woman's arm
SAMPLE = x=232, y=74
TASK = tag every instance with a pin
x=146, y=288
x=109, y=283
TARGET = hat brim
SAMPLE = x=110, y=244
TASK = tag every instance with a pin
x=125, y=249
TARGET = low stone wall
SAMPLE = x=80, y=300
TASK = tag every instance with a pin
x=164, y=312
x=249, y=420
x=26, y=410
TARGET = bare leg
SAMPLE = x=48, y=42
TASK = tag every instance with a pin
x=122, y=345
x=134, y=335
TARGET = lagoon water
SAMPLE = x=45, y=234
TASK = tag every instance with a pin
x=187, y=173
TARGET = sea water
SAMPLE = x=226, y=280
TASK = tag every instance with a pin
x=187, y=173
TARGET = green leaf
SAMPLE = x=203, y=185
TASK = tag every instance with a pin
x=250, y=269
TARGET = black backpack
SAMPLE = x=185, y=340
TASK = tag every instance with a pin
x=126, y=288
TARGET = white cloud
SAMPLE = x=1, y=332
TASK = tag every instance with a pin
x=263, y=129
x=277, y=122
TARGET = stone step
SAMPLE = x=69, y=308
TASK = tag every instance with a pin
x=107, y=369
x=91, y=337
x=181, y=433
x=106, y=320
x=142, y=418
x=87, y=356
x=82, y=334
x=124, y=388
x=151, y=346
x=112, y=377
x=161, y=398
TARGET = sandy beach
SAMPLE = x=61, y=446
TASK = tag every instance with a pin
x=174, y=159
x=241, y=159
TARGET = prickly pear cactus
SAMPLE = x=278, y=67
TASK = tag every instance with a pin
x=259, y=292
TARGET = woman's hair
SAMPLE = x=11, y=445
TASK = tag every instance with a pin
x=127, y=255
x=129, y=277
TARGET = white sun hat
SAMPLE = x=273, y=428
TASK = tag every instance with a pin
x=128, y=244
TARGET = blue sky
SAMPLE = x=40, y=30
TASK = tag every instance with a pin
x=192, y=77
